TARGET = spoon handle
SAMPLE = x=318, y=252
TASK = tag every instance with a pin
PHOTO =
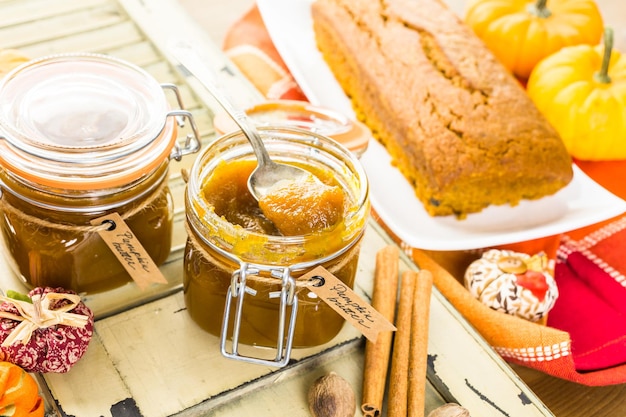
x=250, y=131
x=189, y=59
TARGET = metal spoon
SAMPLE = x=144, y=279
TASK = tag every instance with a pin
x=267, y=173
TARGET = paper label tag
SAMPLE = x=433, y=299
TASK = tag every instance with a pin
x=347, y=303
x=129, y=251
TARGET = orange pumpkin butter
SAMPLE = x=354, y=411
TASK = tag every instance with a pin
x=19, y=393
x=302, y=207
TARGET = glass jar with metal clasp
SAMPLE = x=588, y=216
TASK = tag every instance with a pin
x=82, y=136
x=241, y=277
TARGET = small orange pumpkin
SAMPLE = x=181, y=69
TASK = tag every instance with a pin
x=522, y=32
x=19, y=393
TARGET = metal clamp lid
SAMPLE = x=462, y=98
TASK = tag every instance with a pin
x=192, y=140
x=287, y=296
x=88, y=122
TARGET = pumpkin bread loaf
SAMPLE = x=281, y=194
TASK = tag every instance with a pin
x=455, y=122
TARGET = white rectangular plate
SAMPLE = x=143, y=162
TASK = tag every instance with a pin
x=583, y=202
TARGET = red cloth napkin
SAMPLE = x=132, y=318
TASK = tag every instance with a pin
x=590, y=274
x=595, y=324
x=585, y=339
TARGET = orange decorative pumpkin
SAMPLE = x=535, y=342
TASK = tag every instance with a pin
x=19, y=393
x=582, y=92
x=522, y=32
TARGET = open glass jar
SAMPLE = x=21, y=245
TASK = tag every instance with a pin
x=352, y=134
x=241, y=279
x=82, y=136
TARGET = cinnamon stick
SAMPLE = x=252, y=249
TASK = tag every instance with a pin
x=418, y=359
x=398, y=382
x=376, y=361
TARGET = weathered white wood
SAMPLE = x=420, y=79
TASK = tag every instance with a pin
x=165, y=22
x=19, y=12
x=175, y=359
x=111, y=39
x=58, y=26
x=102, y=388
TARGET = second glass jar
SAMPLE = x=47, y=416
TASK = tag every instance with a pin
x=226, y=244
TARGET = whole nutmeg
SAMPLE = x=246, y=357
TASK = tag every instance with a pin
x=331, y=396
x=449, y=410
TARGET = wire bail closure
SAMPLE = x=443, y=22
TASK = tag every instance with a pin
x=192, y=140
x=287, y=296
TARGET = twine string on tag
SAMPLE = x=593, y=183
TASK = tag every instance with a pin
x=8, y=208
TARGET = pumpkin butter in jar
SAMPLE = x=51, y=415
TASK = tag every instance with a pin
x=234, y=239
x=83, y=136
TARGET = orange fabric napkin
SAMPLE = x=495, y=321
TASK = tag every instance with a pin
x=585, y=339
x=249, y=46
